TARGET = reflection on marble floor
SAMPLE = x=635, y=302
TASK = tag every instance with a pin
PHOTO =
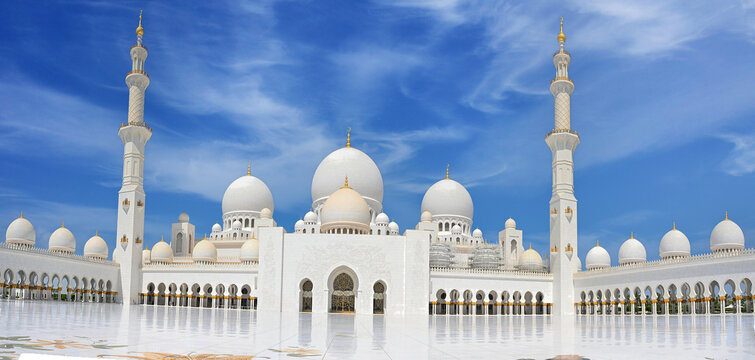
x=155, y=333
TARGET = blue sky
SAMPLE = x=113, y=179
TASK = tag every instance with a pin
x=663, y=104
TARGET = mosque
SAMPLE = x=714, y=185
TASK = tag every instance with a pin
x=346, y=255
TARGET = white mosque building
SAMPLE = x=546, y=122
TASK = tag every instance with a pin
x=345, y=255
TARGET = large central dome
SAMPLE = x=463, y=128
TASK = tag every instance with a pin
x=247, y=193
x=364, y=177
x=448, y=197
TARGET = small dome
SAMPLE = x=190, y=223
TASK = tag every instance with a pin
x=145, y=256
x=510, y=224
x=382, y=218
x=250, y=251
x=96, y=247
x=236, y=225
x=217, y=228
x=477, y=233
x=310, y=217
x=674, y=244
x=530, y=260
x=346, y=207
x=183, y=218
x=727, y=235
x=299, y=224
x=448, y=197
x=597, y=258
x=162, y=252
x=456, y=229
x=426, y=216
x=205, y=251
x=266, y=213
x=393, y=227
x=247, y=193
x=20, y=232
x=62, y=240
x=632, y=251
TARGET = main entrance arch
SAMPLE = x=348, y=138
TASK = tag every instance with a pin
x=342, y=296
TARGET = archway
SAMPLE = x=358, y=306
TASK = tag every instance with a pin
x=378, y=301
x=306, y=296
x=342, y=296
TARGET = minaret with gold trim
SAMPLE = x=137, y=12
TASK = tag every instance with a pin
x=131, y=198
x=563, y=205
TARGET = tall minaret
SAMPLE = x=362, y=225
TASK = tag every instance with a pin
x=134, y=135
x=563, y=205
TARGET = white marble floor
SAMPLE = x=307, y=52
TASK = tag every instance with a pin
x=146, y=333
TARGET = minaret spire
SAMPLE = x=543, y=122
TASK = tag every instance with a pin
x=562, y=87
x=134, y=134
x=563, y=204
x=448, y=166
x=249, y=169
x=348, y=137
x=139, y=30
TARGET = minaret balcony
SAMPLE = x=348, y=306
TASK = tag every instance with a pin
x=142, y=124
x=138, y=72
x=561, y=78
x=140, y=46
x=557, y=131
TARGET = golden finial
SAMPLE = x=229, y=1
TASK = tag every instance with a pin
x=726, y=215
x=447, y=167
x=561, y=35
x=530, y=246
x=205, y=236
x=249, y=169
x=162, y=238
x=598, y=241
x=96, y=233
x=632, y=236
x=63, y=225
x=22, y=215
x=674, y=226
x=348, y=137
x=140, y=29
x=346, y=182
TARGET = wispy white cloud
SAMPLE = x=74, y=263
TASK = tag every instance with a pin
x=741, y=160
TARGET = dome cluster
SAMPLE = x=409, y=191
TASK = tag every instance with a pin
x=21, y=232
x=726, y=236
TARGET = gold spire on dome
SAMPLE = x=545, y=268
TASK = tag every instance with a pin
x=598, y=243
x=22, y=215
x=63, y=225
x=249, y=169
x=346, y=183
x=348, y=137
x=674, y=226
x=530, y=246
x=632, y=236
x=96, y=233
x=447, y=167
x=162, y=238
x=726, y=215
x=140, y=29
x=561, y=35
